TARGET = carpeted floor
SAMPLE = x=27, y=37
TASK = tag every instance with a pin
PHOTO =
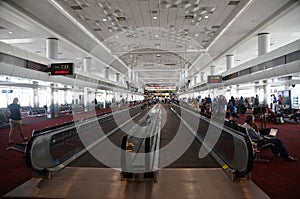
x=278, y=178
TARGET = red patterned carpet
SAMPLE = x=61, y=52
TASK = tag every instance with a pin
x=278, y=178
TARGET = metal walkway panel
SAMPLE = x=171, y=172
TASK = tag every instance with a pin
x=105, y=183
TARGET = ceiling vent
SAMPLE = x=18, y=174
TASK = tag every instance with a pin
x=2, y=28
x=121, y=18
x=170, y=64
x=97, y=29
x=233, y=3
x=77, y=7
x=215, y=27
x=189, y=16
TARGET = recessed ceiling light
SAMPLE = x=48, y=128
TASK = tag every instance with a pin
x=154, y=17
x=16, y=41
x=104, y=19
x=206, y=16
x=10, y=32
x=196, y=35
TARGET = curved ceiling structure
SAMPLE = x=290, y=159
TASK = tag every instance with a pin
x=157, y=40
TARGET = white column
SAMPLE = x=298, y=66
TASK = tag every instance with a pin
x=233, y=91
x=212, y=70
x=195, y=80
x=106, y=73
x=85, y=98
x=87, y=63
x=52, y=48
x=117, y=77
x=130, y=73
x=54, y=108
x=229, y=62
x=132, y=76
x=186, y=72
x=202, y=76
x=267, y=93
x=263, y=43
x=65, y=94
x=136, y=76
x=181, y=80
x=35, y=94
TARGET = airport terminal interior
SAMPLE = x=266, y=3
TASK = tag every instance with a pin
x=150, y=99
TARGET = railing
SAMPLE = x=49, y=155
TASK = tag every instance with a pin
x=140, y=148
x=231, y=148
x=284, y=59
x=51, y=149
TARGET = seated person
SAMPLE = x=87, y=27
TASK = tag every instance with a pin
x=296, y=115
x=278, y=149
x=233, y=110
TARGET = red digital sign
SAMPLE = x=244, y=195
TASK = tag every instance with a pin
x=62, y=69
x=214, y=79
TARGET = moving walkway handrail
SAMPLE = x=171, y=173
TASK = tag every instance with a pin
x=48, y=151
x=233, y=149
x=140, y=146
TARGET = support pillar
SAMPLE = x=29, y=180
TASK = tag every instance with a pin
x=106, y=73
x=52, y=48
x=263, y=43
x=202, y=76
x=53, y=109
x=86, y=98
x=117, y=77
x=35, y=94
x=229, y=62
x=212, y=70
x=65, y=94
x=87, y=63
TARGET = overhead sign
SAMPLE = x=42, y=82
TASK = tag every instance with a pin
x=155, y=86
x=214, y=79
x=7, y=91
x=62, y=69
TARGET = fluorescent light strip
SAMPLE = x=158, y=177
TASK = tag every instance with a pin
x=57, y=5
x=16, y=41
x=222, y=32
x=229, y=24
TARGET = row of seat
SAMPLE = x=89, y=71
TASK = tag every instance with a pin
x=256, y=149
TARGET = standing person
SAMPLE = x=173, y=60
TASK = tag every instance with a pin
x=256, y=101
x=280, y=100
x=208, y=100
x=15, y=120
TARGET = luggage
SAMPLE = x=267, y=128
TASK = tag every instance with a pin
x=279, y=120
x=264, y=130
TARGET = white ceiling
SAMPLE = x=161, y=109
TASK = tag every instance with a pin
x=157, y=40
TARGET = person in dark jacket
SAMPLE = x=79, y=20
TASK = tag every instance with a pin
x=15, y=120
x=278, y=148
